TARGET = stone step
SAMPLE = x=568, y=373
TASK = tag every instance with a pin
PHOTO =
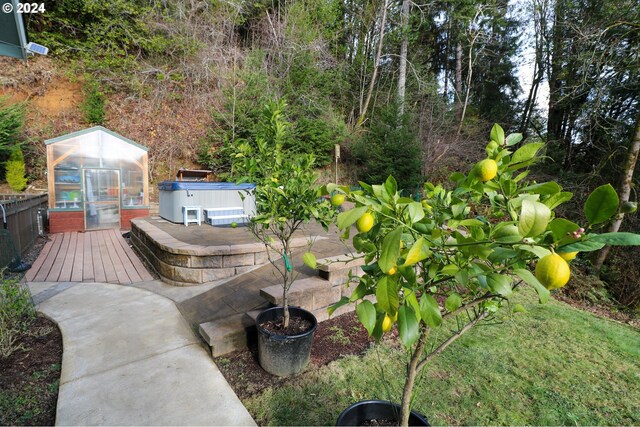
x=228, y=334
x=311, y=293
x=336, y=269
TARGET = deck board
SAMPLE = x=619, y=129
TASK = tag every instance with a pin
x=98, y=268
x=31, y=273
x=87, y=262
x=67, y=267
x=78, y=259
x=94, y=256
x=43, y=273
x=135, y=261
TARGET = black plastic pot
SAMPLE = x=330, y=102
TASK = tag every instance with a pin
x=284, y=355
x=358, y=413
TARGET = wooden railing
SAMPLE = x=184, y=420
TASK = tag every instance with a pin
x=22, y=217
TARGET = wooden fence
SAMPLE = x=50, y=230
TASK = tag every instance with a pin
x=22, y=217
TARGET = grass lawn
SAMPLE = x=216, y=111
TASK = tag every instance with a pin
x=554, y=365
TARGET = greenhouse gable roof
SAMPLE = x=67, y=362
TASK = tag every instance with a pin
x=91, y=130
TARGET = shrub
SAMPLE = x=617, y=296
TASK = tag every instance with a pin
x=93, y=104
x=16, y=170
x=390, y=148
x=17, y=312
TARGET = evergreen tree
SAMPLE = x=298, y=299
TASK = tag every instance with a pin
x=16, y=170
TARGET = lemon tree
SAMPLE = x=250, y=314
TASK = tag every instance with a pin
x=286, y=193
x=462, y=252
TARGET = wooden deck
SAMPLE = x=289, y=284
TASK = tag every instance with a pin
x=97, y=256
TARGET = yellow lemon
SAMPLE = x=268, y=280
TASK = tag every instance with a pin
x=393, y=270
x=387, y=323
x=365, y=223
x=568, y=256
x=553, y=271
x=487, y=169
x=337, y=199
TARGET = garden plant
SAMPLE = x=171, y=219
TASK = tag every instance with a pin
x=462, y=252
x=286, y=193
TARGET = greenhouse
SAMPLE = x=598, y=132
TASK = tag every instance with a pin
x=97, y=180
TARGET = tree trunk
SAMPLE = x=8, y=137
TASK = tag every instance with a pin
x=458, y=82
x=412, y=372
x=402, y=77
x=625, y=191
x=556, y=113
x=383, y=22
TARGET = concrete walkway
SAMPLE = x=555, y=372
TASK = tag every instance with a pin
x=130, y=358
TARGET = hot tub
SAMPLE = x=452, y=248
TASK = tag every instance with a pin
x=207, y=195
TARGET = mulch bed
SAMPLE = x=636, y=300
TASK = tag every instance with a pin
x=334, y=338
x=29, y=378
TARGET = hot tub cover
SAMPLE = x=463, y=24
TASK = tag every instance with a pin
x=186, y=185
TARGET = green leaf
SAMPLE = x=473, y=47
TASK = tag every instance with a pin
x=560, y=227
x=471, y=222
x=534, y=218
x=499, y=284
x=309, y=260
x=390, y=250
x=347, y=218
x=416, y=212
x=359, y=292
x=601, y=205
x=616, y=239
x=387, y=295
x=545, y=188
x=418, y=252
x=529, y=278
x=557, y=199
x=538, y=251
x=582, y=246
x=526, y=152
x=453, y=302
x=391, y=186
x=513, y=139
x=449, y=270
x=407, y=326
x=497, y=134
x=333, y=307
x=519, y=308
x=429, y=311
x=411, y=300
x=500, y=255
x=506, y=233
x=367, y=315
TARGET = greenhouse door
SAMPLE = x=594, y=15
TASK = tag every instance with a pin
x=102, y=199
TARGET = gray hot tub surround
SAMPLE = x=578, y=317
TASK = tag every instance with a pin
x=208, y=195
x=187, y=264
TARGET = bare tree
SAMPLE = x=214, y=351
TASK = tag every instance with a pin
x=376, y=64
x=402, y=77
x=624, y=191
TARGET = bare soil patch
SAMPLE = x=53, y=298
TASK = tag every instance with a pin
x=29, y=378
x=334, y=338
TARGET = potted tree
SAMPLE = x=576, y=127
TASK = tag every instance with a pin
x=456, y=257
x=286, y=198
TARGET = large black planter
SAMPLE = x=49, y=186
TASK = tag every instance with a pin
x=358, y=413
x=284, y=355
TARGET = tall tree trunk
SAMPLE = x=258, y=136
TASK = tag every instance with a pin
x=458, y=82
x=540, y=26
x=624, y=191
x=383, y=23
x=402, y=77
x=556, y=113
